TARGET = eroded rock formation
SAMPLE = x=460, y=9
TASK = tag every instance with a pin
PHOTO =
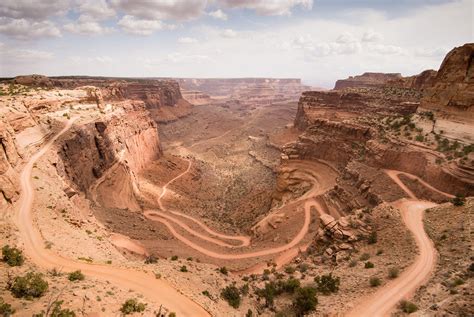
x=366, y=80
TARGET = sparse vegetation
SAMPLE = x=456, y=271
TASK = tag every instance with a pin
x=132, y=306
x=12, y=256
x=369, y=265
x=364, y=257
x=375, y=281
x=223, y=270
x=459, y=200
x=174, y=258
x=58, y=311
x=393, y=272
x=6, y=309
x=183, y=269
x=327, y=284
x=76, y=276
x=372, y=239
x=305, y=300
x=151, y=259
x=232, y=295
x=32, y=285
x=408, y=307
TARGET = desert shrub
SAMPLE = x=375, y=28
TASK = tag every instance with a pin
x=223, y=270
x=364, y=257
x=244, y=290
x=206, y=293
x=352, y=263
x=268, y=293
x=76, y=276
x=327, y=284
x=12, y=256
x=58, y=311
x=369, y=265
x=393, y=272
x=288, y=286
x=151, y=259
x=305, y=300
x=420, y=138
x=232, y=295
x=408, y=307
x=303, y=267
x=172, y=314
x=372, y=239
x=459, y=200
x=5, y=309
x=183, y=268
x=132, y=306
x=375, y=281
x=174, y=258
x=290, y=269
x=29, y=286
x=249, y=313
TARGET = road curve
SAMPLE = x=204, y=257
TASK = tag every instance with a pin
x=382, y=302
x=144, y=283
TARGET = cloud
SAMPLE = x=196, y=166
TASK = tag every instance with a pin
x=385, y=49
x=181, y=10
x=24, y=55
x=133, y=25
x=229, y=33
x=269, y=7
x=33, y=10
x=218, y=14
x=95, y=9
x=180, y=57
x=24, y=29
x=372, y=36
x=92, y=60
x=431, y=52
x=187, y=40
x=87, y=28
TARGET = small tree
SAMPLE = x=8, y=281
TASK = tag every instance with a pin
x=31, y=285
x=12, y=256
x=132, y=306
x=305, y=300
x=327, y=284
x=232, y=295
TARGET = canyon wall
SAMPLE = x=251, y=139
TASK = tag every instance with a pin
x=9, y=158
x=366, y=80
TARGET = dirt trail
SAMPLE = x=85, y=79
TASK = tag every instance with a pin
x=320, y=185
x=386, y=298
x=144, y=283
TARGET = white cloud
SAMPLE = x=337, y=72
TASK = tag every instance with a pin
x=187, y=40
x=87, y=28
x=25, y=29
x=92, y=60
x=372, y=36
x=161, y=9
x=95, y=9
x=346, y=38
x=269, y=7
x=385, y=49
x=229, y=33
x=33, y=10
x=133, y=25
x=180, y=57
x=24, y=55
x=218, y=14
x=431, y=52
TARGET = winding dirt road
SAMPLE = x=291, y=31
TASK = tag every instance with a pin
x=144, y=283
x=320, y=185
x=382, y=302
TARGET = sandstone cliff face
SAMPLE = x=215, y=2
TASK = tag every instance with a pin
x=453, y=86
x=420, y=82
x=9, y=158
x=366, y=80
x=105, y=156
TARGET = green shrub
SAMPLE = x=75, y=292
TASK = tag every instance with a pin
x=393, y=272
x=375, y=281
x=408, y=307
x=290, y=286
x=206, y=293
x=327, y=284
x=223, y=270
x=76, y=276
x=459, y=200
x=12, y=256
x=369, y=265
x=305, y=300
x=5, y=309
x=268, y=293
x=183, y=268
x=372, y=238
x=132, y=306
x=290, y=269
x=232, y=295
x=29, y=286
x=174, y=258
x=57, y=311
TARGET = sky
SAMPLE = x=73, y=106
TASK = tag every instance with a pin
x=318, y=41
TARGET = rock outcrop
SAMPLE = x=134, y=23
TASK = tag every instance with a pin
x=452, y=90
x=420, y=82
x=9, y=158
x=366, y=80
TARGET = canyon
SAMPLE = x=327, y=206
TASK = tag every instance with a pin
x=177, y=192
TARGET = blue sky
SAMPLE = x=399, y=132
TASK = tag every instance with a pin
x=318, y=41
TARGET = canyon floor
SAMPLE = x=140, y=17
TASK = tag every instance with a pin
x=237, y=201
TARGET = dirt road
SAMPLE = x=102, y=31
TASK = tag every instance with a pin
x=386, y=298
x=156, y=290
